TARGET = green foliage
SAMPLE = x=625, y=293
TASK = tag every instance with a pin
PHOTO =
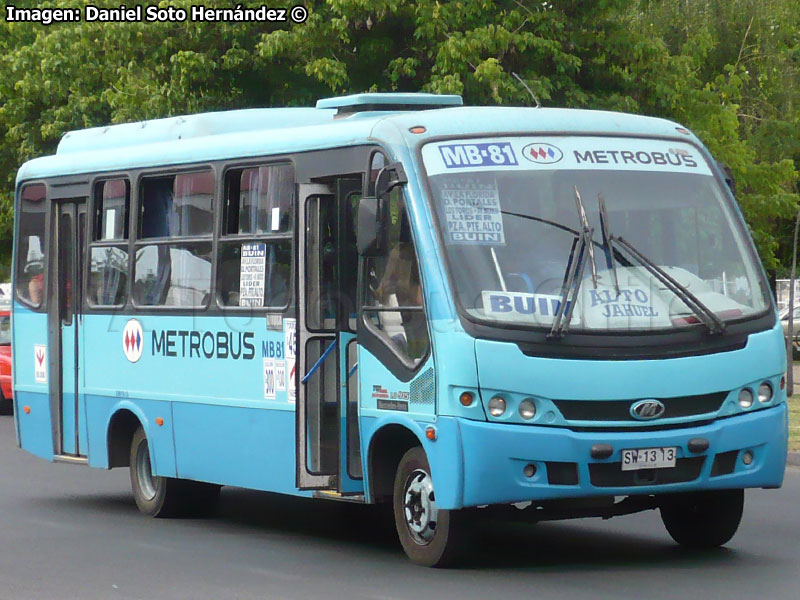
x=728, y=69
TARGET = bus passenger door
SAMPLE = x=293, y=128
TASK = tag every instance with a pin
x=317, y=375
x=68, y=235
x=328, y=446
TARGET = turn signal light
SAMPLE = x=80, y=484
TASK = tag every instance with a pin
x=430, y=433
x=26, y=410
x=466, y=398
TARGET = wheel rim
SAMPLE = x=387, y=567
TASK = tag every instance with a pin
x=144, y=473
x=419, y=507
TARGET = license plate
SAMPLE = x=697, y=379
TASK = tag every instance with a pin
x=648, y=458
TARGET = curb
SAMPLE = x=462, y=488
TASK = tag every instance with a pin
x=793, y=459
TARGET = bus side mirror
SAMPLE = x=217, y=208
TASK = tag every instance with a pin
x=372, y=232
x=727, y=174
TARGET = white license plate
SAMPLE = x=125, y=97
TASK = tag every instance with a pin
x=648, y=458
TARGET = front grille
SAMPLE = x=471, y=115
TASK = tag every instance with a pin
x=423, y=389
x=619, y=410
x=724, y=463
x=562, y=473
x=612, y=475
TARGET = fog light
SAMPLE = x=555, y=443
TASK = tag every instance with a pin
x=745, y=398
x=747, y=457
x=764, y=392
x=527, y=409
x=497, y=406
x=466, y=398
x=529, y=470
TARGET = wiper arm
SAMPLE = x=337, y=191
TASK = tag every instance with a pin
x=587, y=232
x=709, y=319
x=574, y=273
x=605, y=230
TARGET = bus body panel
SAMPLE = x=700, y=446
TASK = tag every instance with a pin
x=36, y=426
x=496, y=454
x=31, y=373
x=101, y=410
x=245, y=447
x=504, y=368
x=445, y=453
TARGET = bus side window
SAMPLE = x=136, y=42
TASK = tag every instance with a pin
x=256, y=231
x=31, y=250
x=394, y=281
x=108, y=264
x=173, y=266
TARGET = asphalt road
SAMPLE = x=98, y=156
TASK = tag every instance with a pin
x=73, y=532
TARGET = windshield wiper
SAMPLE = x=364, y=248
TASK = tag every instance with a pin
x=709, y=319
x=574, y=273
x=607, y=241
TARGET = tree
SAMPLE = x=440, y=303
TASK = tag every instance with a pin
x=734, y=85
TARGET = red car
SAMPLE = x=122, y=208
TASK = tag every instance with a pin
x=6, y=391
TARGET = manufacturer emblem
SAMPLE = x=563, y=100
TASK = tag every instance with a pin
x=543, y=154
x=132, y=340
x=646, y=410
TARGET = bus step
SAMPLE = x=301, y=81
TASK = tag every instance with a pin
x=68, y=458
x=332, y=495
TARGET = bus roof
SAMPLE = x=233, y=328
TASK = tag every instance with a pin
x=361, y=118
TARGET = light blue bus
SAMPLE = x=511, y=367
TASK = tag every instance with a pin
x=396, y=298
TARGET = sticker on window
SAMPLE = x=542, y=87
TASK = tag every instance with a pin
x=518, y=306
x=252, y=274
x=472, y=213
x=635, y=306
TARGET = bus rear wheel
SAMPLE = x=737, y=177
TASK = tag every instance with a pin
x=703, y=519
x=158, y=496
x=430, y=536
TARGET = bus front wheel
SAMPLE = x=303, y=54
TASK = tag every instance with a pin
x=430, y=536
x=703, y=519
x=164, y=496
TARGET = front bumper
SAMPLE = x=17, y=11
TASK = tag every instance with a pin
x=494, y=456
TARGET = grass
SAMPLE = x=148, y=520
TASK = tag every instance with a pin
x=794, y=423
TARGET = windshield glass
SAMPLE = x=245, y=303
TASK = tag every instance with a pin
x=510, y=211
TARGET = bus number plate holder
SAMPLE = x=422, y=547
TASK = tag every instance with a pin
x=648, y=458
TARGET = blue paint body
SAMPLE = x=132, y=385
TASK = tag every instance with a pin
x=218, y=426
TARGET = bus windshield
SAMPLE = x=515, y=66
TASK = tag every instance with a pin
x=518, y=214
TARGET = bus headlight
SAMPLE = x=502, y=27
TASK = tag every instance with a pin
x=745, y=398
x=527, y=409
x=497, y=406
x=764, y=392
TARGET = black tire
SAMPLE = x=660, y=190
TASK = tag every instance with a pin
x=164, y=496
x=703, y=519
x=438, y=545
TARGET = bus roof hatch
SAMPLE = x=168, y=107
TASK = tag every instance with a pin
x=389, y=102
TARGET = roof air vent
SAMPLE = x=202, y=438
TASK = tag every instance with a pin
x=355, y=103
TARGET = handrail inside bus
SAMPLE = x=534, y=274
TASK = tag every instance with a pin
x=321, y=360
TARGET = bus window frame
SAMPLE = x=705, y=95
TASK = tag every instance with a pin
x=137, y=242
x=669, y=343
x=92, y=242
x=42, y=307
x=221, y=238
x=374, y=339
